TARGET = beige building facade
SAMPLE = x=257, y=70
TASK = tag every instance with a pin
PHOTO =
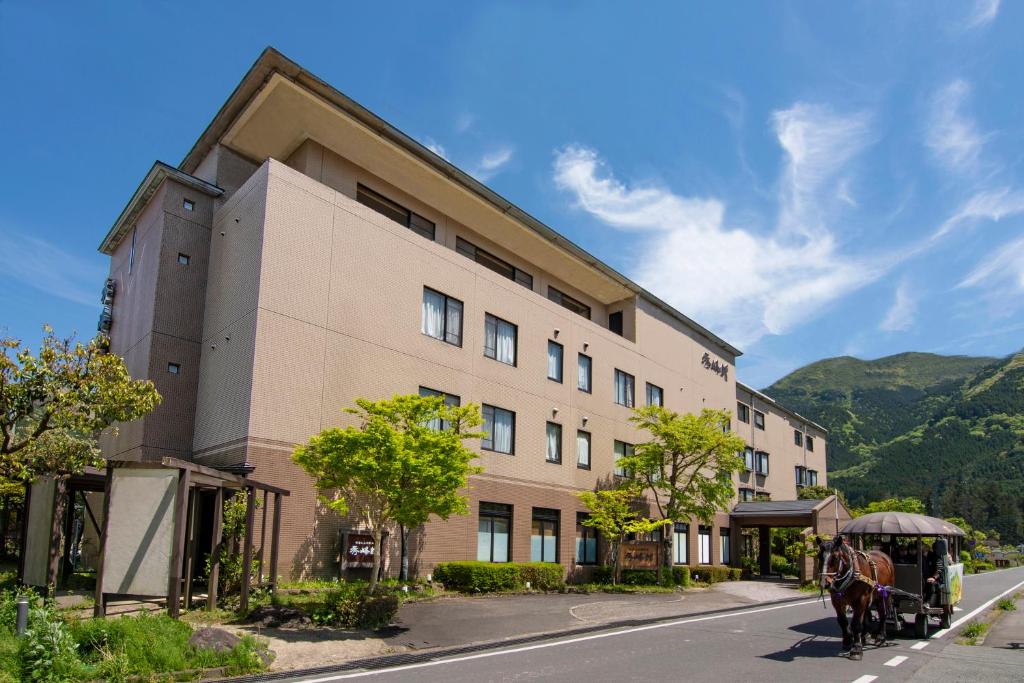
x=305, y=253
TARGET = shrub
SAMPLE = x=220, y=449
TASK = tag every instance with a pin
x=602, y=574
x=490, y=577
x=1006, y=604
x=973, y=631
x=716, y=574
x=48, y=651
x=639, y=577
x=982, y=566
x=783, y=567
x=681, y=576
x=372, y=612
x=544, y=576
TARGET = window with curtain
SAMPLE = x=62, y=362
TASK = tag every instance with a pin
x=500, y=339
x=762, y=462
x=554, y=450
x=586, y=541
x=492, y=537
x=680, y=543
x=584, y=373
x=450, y=400
x=655, y=396
x=746, y=494
x=499, y=430
x=759, y=419
x=748, y=459
x=704, y=545
x=812, y=477
x=743, y=412
x=624, y=389
x=544, y=535
x=442, y=317
x=395, y=211
x=583, y=449
x=725, y=550
x=555, y=361
x=798, y=437
x=622, y=450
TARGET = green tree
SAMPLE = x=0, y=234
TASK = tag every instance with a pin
x=614, y=513
x=892, y=505
x=819, y=492
x=404, y=462
x=53, y=405
x=688, y=464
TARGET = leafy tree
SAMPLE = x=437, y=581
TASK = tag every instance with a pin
x=614, y=513
x=688, y=464
x=819, y=492
x=53, y=405
x=892, y=505
x=230, y=552
x=404, y=462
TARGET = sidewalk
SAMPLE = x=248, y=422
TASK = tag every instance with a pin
x=1008, y=631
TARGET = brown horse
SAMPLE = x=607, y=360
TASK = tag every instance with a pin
x=839, y=576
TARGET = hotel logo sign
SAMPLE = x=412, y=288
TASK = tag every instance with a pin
x=716, y=366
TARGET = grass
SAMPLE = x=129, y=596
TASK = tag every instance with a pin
x=618, y=588
x=973, y=631
x=1006, y=605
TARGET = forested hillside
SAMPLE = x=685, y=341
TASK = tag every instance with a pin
x=946, y=429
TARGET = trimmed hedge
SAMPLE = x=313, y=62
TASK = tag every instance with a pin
x=641, y=577
x=716, y=574
x=490, y=577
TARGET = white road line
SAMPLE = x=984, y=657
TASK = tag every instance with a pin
x=919, y=645
x=560, y=643
x=865, y=679
x=896, y=661
x=972, y=613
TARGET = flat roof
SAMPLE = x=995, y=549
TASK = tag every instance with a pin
x=768, y=399
x=778, y=508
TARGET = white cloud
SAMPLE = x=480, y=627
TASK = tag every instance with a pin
x=903, y=311
x=1004, y=269
x=48, y=268
x=740, y=283
x=991, y=205
x=435, y=147
x=491, y=163
x=982, y=13
x=464, y=122
x=952, y=135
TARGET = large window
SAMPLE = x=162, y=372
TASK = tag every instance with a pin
x=583, y=449
x=798, y=437
x=395, y=211
x=704, y=545
x=586, y=541
x=761, y=460
x=622, y=450
x=500, y=339
x=492, y=262
x=450, y=400
x=492, y=536
x=725, y=551
x=499, y=430
x=680, y=543
x=624, y=389
x=567, y=301
x=442, y=317
x=759, y=419
x=655, y=395
x=555, y=361
x=615, y=322
x=743, y=412
x=801, y=475
x=810, y=443
x=584, y=373
x=746, y=494
x=544, y=536
x=812, y=477
x=748, y=459
x=554, y=438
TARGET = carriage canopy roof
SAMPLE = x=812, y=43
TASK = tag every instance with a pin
x=901, y=523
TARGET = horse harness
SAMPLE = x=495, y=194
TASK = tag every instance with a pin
x=853, y=575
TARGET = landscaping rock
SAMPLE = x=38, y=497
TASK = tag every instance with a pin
x=216, y=639
x=273, y=616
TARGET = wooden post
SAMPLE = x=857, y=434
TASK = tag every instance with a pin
x=215, y=543
x=178, y=549
x=263, y=536
x=190, y=548
x=275, y=538
x=69, y=529
x=100, y=608
x=60, y=487
x=250, y=519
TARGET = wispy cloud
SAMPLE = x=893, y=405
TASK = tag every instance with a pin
x=48, y=268
x=991, y=205
x=464, y=122
x=983, y=12
x=491, y=163
x=435, y=147
x=1003, y=268
x=743, y=283
x=903, y=311
x=952, y=135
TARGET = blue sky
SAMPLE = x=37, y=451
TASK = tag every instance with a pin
x=806, y=179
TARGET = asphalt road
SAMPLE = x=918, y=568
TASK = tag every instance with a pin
x=791, y=642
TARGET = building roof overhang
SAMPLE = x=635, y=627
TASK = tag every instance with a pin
x=768, y=399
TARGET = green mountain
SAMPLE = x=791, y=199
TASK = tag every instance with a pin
x=946, y=429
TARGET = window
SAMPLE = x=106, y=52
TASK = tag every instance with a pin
x=762, y=462
x=554, y=433
x=810, y=443
x=586, y=541
x=704, y=545
x=798, y=437
x=450, y=400
x=624, y=395
x=131, y=254
x=748, y=459
x=812, y=477
x=743, y=412
x=544, y=536
x=442, y=317
x=680, y=543
x=183, y=259
x=759, y=419
x=499, y=430
x=725, y=552
x=655, y=395
x=583, y=449
x=555, y=361
x=500, y=339
x=801, y=475
x=746, y=494
x=615, y=322
x=188, y=205
x=567, y=301
x=492, y=536
x=394, y=211
x=174, y=368
x=492, y=262
x=622, y=450
x=584, y=373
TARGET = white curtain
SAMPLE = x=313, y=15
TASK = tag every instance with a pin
x=680, y=542
x=554, y=361
x=505, y=350
x=501, y=434
x=554, y=441
x=623, y=389
x=433, y=314
x=500, y=540
x=704, y=547
x=453, y=333
x=582, y=450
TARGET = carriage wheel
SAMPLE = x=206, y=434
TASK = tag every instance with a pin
x=921, y=626
x=946, y=620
